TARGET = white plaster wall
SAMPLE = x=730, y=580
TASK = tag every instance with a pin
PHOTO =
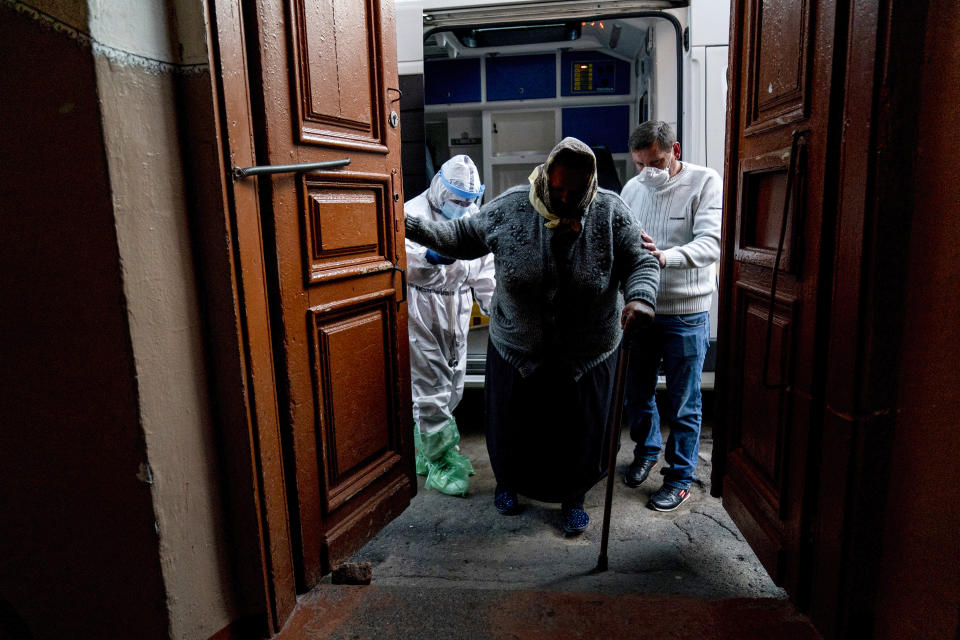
x=170, y=31
x=190, y=31
x=137, y=99
x=142, y=50
x=140, y=28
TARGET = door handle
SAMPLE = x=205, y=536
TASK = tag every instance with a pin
x=403, y=282
x=795, y=148
x=240, y=174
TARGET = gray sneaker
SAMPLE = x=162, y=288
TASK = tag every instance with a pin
x=668, y=498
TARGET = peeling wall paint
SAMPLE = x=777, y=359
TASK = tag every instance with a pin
x=140, y=28
x=151, y=211
x=169, y=31
x=80, y=552
x=113, y=30
x=146, y=53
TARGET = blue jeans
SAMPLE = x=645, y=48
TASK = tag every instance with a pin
x=681, y=343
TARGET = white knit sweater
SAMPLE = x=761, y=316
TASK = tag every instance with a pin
x=683, y=218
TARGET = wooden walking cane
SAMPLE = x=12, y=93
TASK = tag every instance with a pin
x=619, y=384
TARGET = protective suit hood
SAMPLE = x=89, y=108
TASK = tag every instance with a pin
x=457, y=181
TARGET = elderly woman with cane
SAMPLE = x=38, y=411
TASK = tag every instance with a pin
x=571, y=276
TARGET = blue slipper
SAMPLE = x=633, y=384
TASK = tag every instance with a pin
x=575, y=520
x=506, y=503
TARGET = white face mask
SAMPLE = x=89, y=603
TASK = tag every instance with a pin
x=653, y=177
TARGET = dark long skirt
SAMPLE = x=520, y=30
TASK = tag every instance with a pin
x=546, y=432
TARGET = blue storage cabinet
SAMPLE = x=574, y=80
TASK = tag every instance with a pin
x=606, y=126
x=588, y=73
x=521, y=77
x=451, y=81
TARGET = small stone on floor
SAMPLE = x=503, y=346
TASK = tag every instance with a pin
x=352, y=573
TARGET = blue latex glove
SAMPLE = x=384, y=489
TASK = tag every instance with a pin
x=435, y=258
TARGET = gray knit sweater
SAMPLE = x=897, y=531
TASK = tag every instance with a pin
x=558, y=291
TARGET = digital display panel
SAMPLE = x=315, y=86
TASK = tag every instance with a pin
x=593, y=77
x=582, y=77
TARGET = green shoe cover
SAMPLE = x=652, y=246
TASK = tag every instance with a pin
x=438, y=458
x=433, y=446
x=451, y=475
x=421, y=464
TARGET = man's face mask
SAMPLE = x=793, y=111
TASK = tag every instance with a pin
x=654, y=164
x=653, y=177
x=453, y=210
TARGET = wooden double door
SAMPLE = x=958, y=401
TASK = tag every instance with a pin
x=320, y=257
x=778, y=140
x=803, y=407
x=321, y=263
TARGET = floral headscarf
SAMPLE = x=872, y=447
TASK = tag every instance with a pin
x=540, y=185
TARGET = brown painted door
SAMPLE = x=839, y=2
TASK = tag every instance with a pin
x=770, y=385
x=323, y=84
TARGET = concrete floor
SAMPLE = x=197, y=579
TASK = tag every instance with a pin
x=452, y=542
x=452, y=567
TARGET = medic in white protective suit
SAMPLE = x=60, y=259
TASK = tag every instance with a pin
x=440, y=295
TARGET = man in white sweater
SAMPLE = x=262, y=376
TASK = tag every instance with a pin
x=678, y=205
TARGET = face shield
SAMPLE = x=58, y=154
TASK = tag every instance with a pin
x=456, y=189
